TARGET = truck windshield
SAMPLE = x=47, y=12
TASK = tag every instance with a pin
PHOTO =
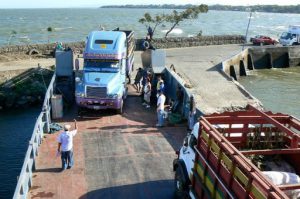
x=286, y=35
x=112, y=66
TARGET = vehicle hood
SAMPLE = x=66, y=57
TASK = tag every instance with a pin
x=109, y=80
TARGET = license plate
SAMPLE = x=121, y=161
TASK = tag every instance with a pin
x=96, y=107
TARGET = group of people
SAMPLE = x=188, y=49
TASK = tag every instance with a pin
x=143, y=83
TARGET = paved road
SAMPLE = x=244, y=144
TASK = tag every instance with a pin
x=26, y=64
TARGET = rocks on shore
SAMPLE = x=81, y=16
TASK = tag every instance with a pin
x=171, y=42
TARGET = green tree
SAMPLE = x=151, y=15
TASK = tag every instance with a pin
x=190, y=13
x=152, y=22
x=174, y=18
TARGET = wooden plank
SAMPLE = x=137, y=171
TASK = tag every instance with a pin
x=289, y=187
x=205, y=136
x=257, y=193
x=273, y=121
x=227, y=161
x=271, y=151
x=215, y=147
x=241, y=176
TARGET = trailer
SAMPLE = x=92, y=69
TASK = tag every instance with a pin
x=221, y=157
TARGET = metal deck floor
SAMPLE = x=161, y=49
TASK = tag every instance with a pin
x=115, y=157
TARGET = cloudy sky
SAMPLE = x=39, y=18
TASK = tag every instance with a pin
x=97, y=3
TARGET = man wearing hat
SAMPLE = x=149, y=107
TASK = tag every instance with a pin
x=65, y=146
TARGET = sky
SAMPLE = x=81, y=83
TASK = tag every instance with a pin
x=98, y=3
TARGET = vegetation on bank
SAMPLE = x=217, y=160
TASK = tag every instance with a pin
x=26, y=89
x=255, y=8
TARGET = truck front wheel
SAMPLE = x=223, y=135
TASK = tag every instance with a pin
x=181, y=189
x=120, y=110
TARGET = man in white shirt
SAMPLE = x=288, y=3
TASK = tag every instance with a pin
x=65, y=146
x=160, y=108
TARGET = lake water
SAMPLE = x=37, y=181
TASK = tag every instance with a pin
x=30, y=25
x=16, y=128
x=278, y=89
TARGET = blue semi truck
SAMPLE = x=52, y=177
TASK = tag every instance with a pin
x=108, y=62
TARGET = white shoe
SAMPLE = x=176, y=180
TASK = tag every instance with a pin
x=148, y=106
x=144, y=104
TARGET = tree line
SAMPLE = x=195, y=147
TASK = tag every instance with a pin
x=255, y=8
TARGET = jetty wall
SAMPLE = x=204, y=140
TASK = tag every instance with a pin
x=261, y=58
x=172, y=42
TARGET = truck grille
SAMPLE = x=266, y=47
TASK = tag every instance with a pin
x=96, y=92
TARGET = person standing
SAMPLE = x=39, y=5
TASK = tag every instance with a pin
x=192, y=113
x=138, y=79
x=160, y=86
x=65, y=146
x=147, y=93
x=160, y=109
x=150, y=33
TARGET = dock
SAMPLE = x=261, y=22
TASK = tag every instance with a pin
x=119, y=156
x=114, y=156
x=201, y=66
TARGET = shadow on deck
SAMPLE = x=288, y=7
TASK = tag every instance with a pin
x=154, y=189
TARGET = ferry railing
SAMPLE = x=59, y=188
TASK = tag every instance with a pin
x=41, y=126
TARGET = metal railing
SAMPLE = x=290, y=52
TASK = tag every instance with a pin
x=41, y=126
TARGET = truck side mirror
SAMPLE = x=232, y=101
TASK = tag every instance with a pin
x=76, y=65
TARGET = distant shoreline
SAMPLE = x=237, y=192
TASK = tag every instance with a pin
x=295, y=9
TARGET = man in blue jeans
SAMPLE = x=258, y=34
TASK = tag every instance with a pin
x=65, y=146
x=160, y=108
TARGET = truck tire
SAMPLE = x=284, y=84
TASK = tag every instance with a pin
x=79, y=110
x=120, y=110
x=181, y=189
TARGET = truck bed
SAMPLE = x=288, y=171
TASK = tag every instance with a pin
x=227, y=144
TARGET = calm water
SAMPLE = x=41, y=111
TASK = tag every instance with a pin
x=31, y=25
x=15, y=130
x=277, y=89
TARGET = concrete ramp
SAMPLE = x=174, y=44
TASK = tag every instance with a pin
x=201, y=66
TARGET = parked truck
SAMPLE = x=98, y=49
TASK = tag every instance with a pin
x=291, y=37
x=108, y=61
x=243, y=154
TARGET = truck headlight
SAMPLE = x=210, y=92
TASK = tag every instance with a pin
x=113, y=96
x=79, y=94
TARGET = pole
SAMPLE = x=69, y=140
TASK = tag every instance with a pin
x=247, y=29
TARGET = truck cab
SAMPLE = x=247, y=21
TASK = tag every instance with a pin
x=184, y=164
x=291, y=37
x=102, y=82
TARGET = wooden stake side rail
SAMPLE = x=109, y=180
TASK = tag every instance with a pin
x=220, y=166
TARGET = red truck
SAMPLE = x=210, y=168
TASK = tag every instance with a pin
x=243, y=154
